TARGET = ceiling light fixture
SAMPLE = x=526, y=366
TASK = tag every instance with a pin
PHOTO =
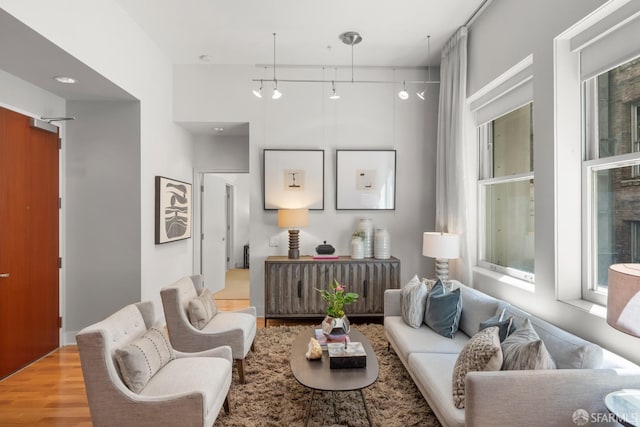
x=403, y=94
x=217, y=129
x=334, y=95
x=258, y=92
x=350, y=38
x=65, y=79
x=423, y=93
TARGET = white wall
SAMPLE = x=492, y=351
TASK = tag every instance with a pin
x=221, y=153
x=102, y=207
x=100, y=34
x=504, y=35
x=366, y=117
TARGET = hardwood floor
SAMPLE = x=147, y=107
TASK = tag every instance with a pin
x=50, y=391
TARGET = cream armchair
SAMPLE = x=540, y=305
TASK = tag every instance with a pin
x=188, y=390
x=237, y=329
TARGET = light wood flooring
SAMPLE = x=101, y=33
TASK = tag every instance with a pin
x=50, y=391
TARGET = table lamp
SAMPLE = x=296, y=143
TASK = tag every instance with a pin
x=292, y=219
x=623, y=298
x=442, y=247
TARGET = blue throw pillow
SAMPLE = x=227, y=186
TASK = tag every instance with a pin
x=442, y=313
x=505, y=325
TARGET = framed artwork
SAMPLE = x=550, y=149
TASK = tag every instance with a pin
x=366, y=179
x=173, y=210
x=293, y=179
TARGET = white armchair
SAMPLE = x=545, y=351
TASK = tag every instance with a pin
x=236, y=329
x=189, y=390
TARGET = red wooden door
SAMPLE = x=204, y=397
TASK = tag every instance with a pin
x=29, y=296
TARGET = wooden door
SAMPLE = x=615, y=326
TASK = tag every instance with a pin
x=29, y=266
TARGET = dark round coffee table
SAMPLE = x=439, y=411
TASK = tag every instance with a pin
x=316, y=374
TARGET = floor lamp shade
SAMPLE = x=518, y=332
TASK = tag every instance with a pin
x=623, y=298
x=292, y=219
x=442, y=247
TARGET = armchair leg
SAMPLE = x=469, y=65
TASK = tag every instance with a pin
x=253, y=346
x=226, y=405
x=240, y=366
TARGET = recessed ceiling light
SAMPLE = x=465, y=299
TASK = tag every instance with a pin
x=218, y=129
x=205, y=58
x=65, y=79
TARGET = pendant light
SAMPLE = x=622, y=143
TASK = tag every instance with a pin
x=423, y=93
x=403, y=94
x=276, y=93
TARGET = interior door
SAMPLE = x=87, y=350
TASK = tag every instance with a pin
x=214, y=229
x=29, y=296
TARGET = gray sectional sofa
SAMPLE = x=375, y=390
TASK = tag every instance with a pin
x=585, y=374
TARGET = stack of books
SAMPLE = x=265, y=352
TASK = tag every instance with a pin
x=323, y=339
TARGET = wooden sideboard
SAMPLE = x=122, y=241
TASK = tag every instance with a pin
x=290, y=285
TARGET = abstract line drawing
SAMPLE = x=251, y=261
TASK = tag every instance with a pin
x=173, y=210
x=294, y=179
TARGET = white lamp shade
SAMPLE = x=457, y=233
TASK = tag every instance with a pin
x=623, y=298
x=292, y=218
x=441, y=245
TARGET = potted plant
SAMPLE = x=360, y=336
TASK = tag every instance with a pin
x=336, y=321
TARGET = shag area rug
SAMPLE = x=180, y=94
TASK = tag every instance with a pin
x=273, y=397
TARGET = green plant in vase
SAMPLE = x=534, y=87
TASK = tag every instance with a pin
x=336, y=297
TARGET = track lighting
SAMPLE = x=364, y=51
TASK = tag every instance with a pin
x=403, y=94
x=423, y=93
x=276, y=93
x=334, y=95
x=258, y=93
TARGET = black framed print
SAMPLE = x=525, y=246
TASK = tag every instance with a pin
x=366, y=179
x=173, y=210
x=293, y=179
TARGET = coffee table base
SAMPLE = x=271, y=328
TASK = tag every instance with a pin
x=335, y=416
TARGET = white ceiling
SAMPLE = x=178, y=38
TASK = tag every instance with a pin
x=240, y=31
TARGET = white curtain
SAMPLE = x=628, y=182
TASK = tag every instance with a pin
x=455, y=167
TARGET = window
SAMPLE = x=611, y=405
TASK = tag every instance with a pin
x=611, y=178
x=507, y=194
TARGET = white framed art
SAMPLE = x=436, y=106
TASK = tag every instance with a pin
x=365, y=179
x=293, y=179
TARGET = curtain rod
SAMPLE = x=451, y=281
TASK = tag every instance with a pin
x=477, y=12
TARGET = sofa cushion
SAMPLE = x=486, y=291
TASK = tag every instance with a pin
x=140, y=360
x=413, y=301
x=476, y=307
x=201, y=309
x=432, y=373
x=567, y=350
x=443, y=309
x=422, y=340
x=525, y=350
x=504, y=323
x=481, y=353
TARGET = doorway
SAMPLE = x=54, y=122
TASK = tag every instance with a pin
x=225, y=234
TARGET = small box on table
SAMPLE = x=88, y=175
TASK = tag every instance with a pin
x=353, y=356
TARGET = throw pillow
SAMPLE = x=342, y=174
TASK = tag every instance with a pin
x=412, y=303
x=429, y=283
x=140, y=360
x=443, y=309
x=201, y=309
x=481, y=353
x=505, y=325
x=524, y=349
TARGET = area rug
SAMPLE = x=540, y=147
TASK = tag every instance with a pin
x=273, y=397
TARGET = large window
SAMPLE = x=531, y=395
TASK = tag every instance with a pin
x=611, y=178
x=506, y=194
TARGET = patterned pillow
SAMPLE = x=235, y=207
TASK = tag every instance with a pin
x=140, y=360
x=524, y=349
x=201, y=309
x=443, y=310
x=481, y=353
x=412, y=303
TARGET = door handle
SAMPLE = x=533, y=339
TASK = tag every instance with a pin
x=4, y=275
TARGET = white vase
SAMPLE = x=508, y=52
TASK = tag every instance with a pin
x=381, y=246
x=365, y=225
x=357, y=248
